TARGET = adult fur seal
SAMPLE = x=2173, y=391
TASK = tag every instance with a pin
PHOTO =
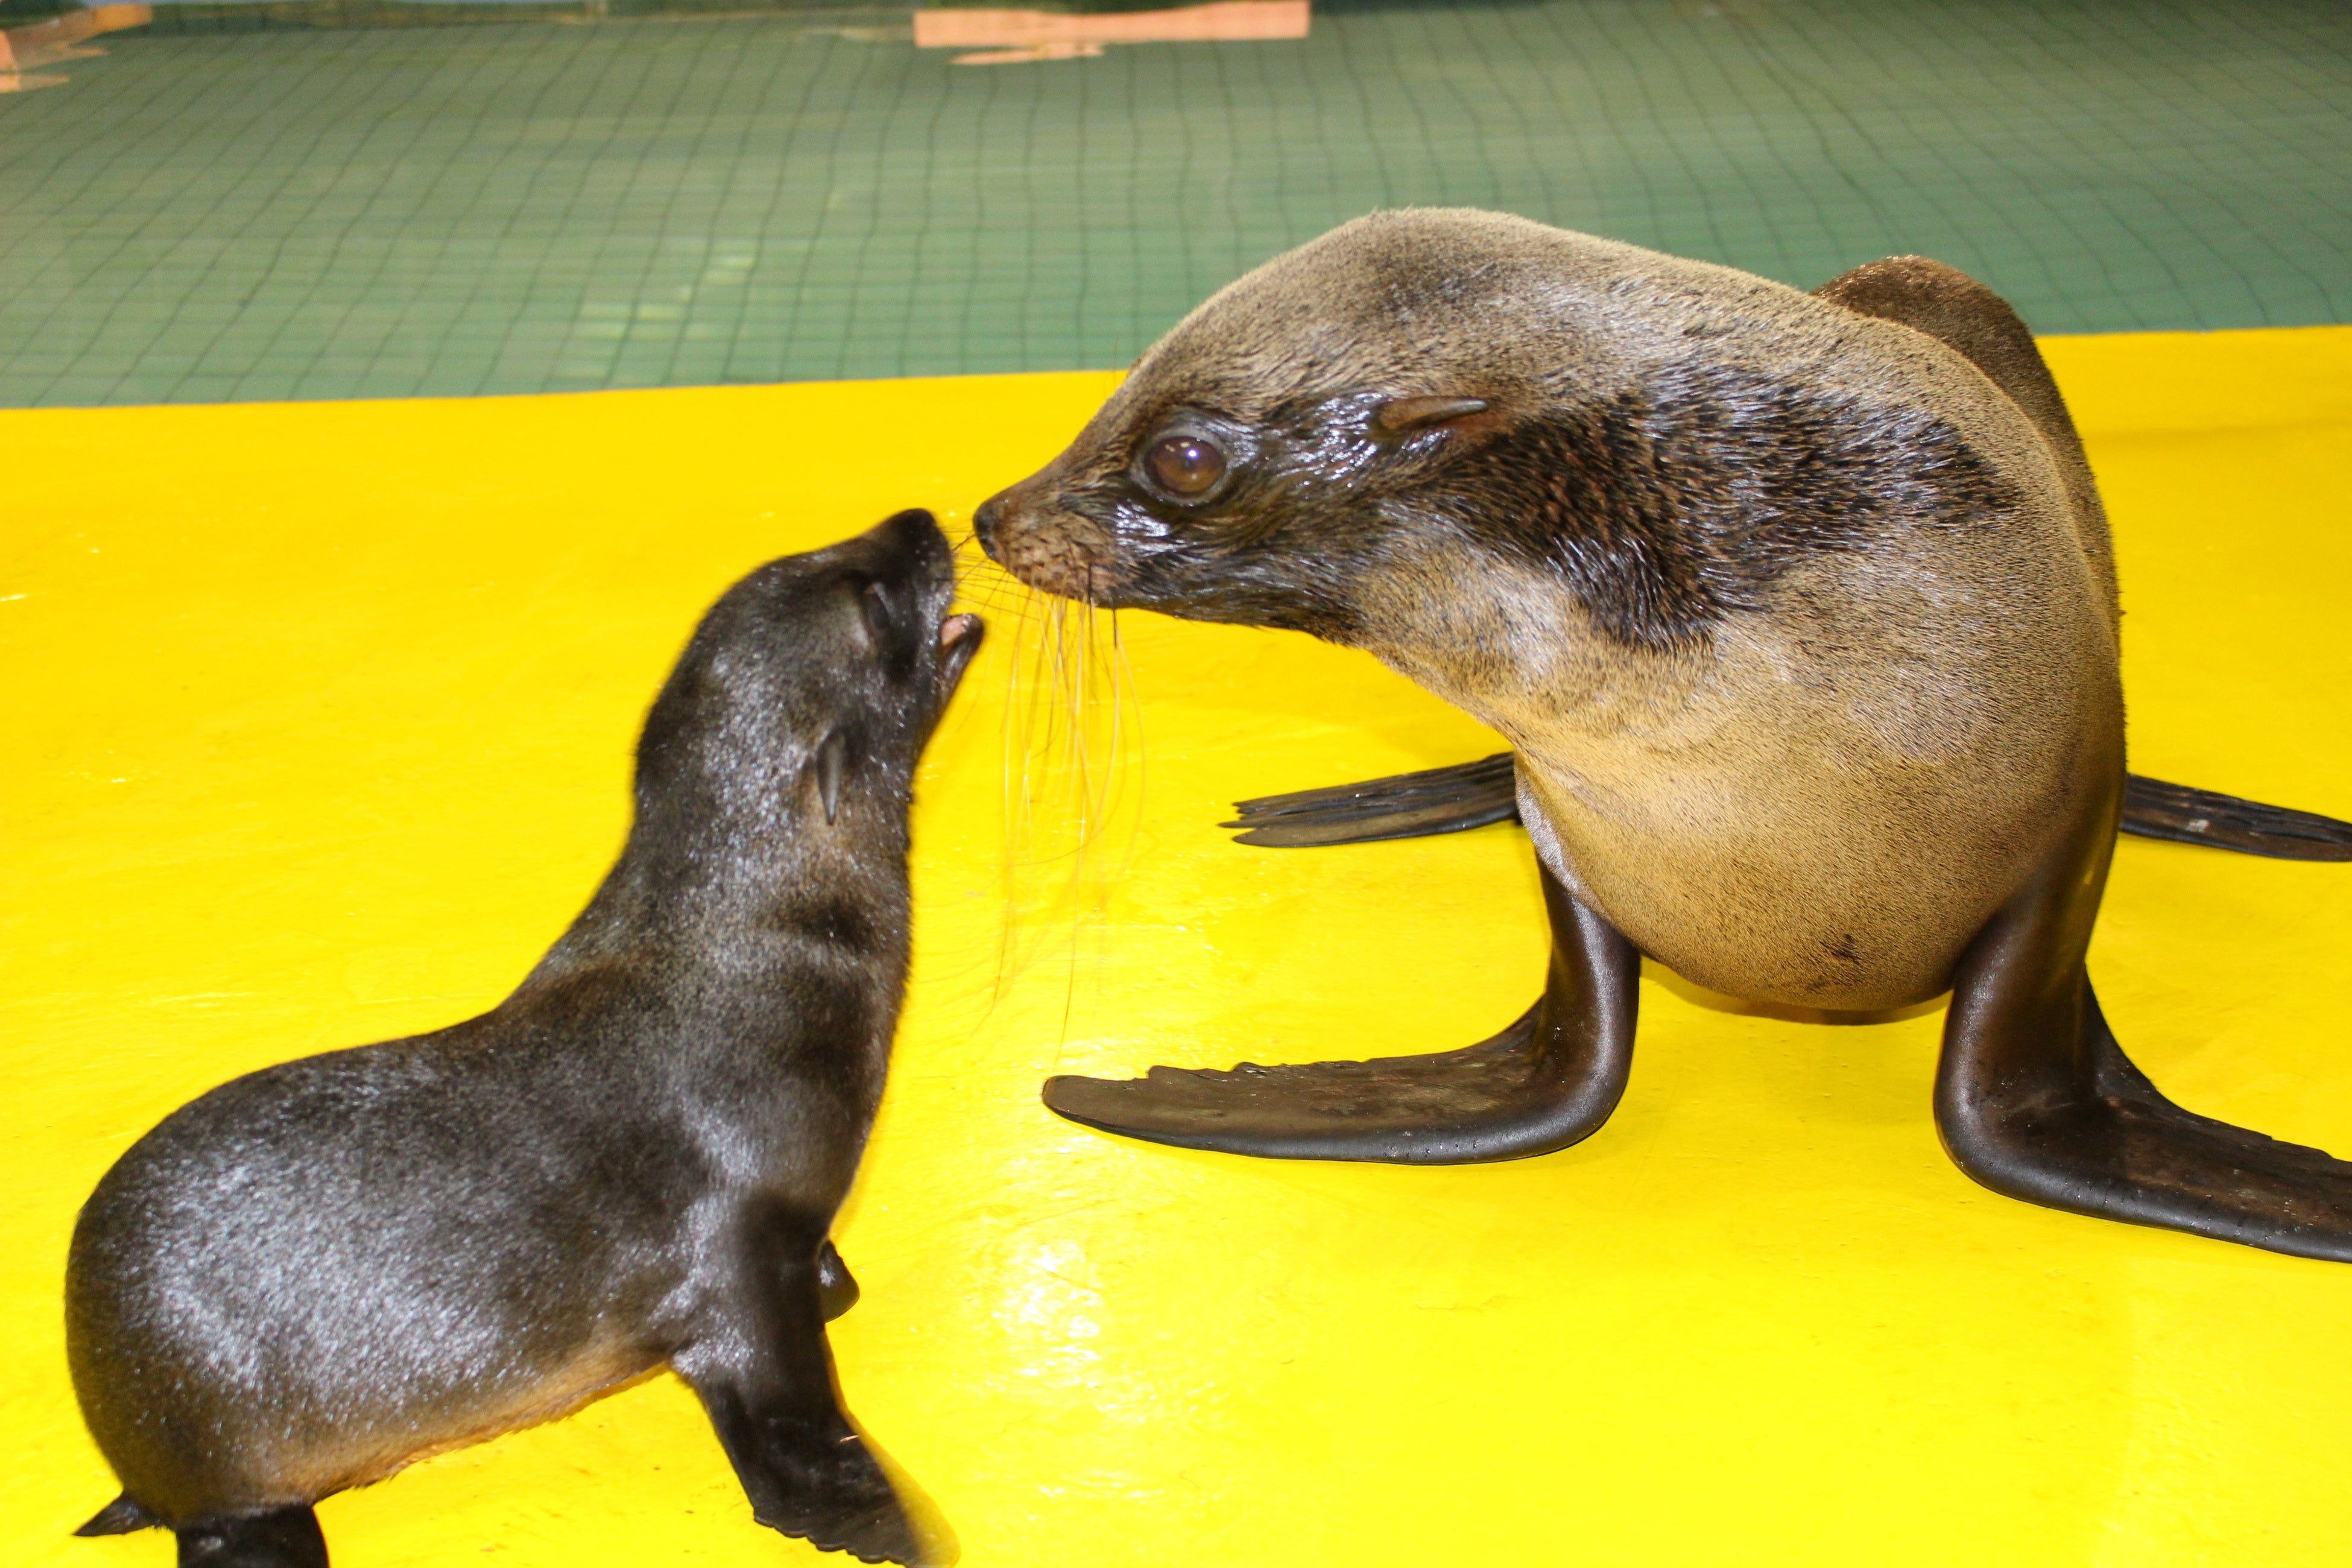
x=320, y=1271
x=1800, y=614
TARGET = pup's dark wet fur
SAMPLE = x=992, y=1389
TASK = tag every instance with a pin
x=321, y=1271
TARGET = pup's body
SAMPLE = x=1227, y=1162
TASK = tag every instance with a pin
x=1799, y=609
x=322, y=1271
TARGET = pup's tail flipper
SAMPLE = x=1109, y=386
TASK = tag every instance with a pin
x=1472, y=795
x=121, y=1517
x=283, y=1537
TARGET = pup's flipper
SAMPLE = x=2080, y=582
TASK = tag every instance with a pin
x=836, y=1287
x=121, y=1517
x=1548, y=1082
x=1402, y=806
x=1472, y=795
x=764, y=1373
x=283, y=1538
x=2034, y=1097
x=2154, y=809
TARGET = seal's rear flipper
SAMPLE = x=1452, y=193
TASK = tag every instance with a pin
x=2154, y=809
x=121, y=1517
x=1472, y=795
x=1402, y=806
x=283, y=1537
x=1548, y=1082
x=2035, y=1099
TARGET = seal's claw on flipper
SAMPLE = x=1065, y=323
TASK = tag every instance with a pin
x=1548, y=1082
x=1402, y=806
x=2154, y=809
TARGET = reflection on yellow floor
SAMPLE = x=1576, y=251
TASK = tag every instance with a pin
x=318, y=734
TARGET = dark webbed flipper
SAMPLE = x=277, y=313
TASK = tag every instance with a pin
x=837, y=1288
x=1548, y=1082
x=2034, y=1097
x=1402, y=806
x=121, y=1517
x=283, y=1538
x=765, y=1375
x=1472, y=795
x=2154, y=809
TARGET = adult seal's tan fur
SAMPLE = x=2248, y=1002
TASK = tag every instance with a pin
x=1800, y=610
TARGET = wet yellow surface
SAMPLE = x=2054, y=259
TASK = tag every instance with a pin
x=319, y=722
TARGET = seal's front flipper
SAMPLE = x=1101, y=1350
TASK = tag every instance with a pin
x=1548, y=1082
x=283, y=1537
x=1402, y=806
x=2154, y=809
x=763, y=1371
x=2034, y=1097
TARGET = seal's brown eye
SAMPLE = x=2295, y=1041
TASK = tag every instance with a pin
x=1186, y=466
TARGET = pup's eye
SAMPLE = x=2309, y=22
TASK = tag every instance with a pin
x=1185, y=465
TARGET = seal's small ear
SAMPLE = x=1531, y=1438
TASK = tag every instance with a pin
x=831, y=763
x=1408, y=415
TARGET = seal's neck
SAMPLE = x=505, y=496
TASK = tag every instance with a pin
x=1514, y=648
x=751, y=884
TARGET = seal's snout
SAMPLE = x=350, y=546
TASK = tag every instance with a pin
x=1032, y=532
x=985, y=523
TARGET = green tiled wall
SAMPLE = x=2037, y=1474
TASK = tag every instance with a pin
x=635, y=201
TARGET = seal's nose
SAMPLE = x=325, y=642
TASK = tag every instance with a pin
x=984, y=525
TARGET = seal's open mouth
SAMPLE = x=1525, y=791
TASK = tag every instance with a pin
x=959, y=639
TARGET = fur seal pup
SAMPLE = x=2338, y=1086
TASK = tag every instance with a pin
x=1799, y=611
x=321, y=1271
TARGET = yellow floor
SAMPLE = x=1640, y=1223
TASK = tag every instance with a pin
x=319, y=719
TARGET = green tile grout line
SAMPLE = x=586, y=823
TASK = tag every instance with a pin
x=241, y=211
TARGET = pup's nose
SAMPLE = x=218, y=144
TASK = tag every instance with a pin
x=915, y=531
x=984, y=523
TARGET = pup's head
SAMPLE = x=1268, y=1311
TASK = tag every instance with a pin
x=807, y=692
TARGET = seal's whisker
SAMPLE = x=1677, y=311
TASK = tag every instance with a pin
x=1066, y=740
x=1126, y=736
